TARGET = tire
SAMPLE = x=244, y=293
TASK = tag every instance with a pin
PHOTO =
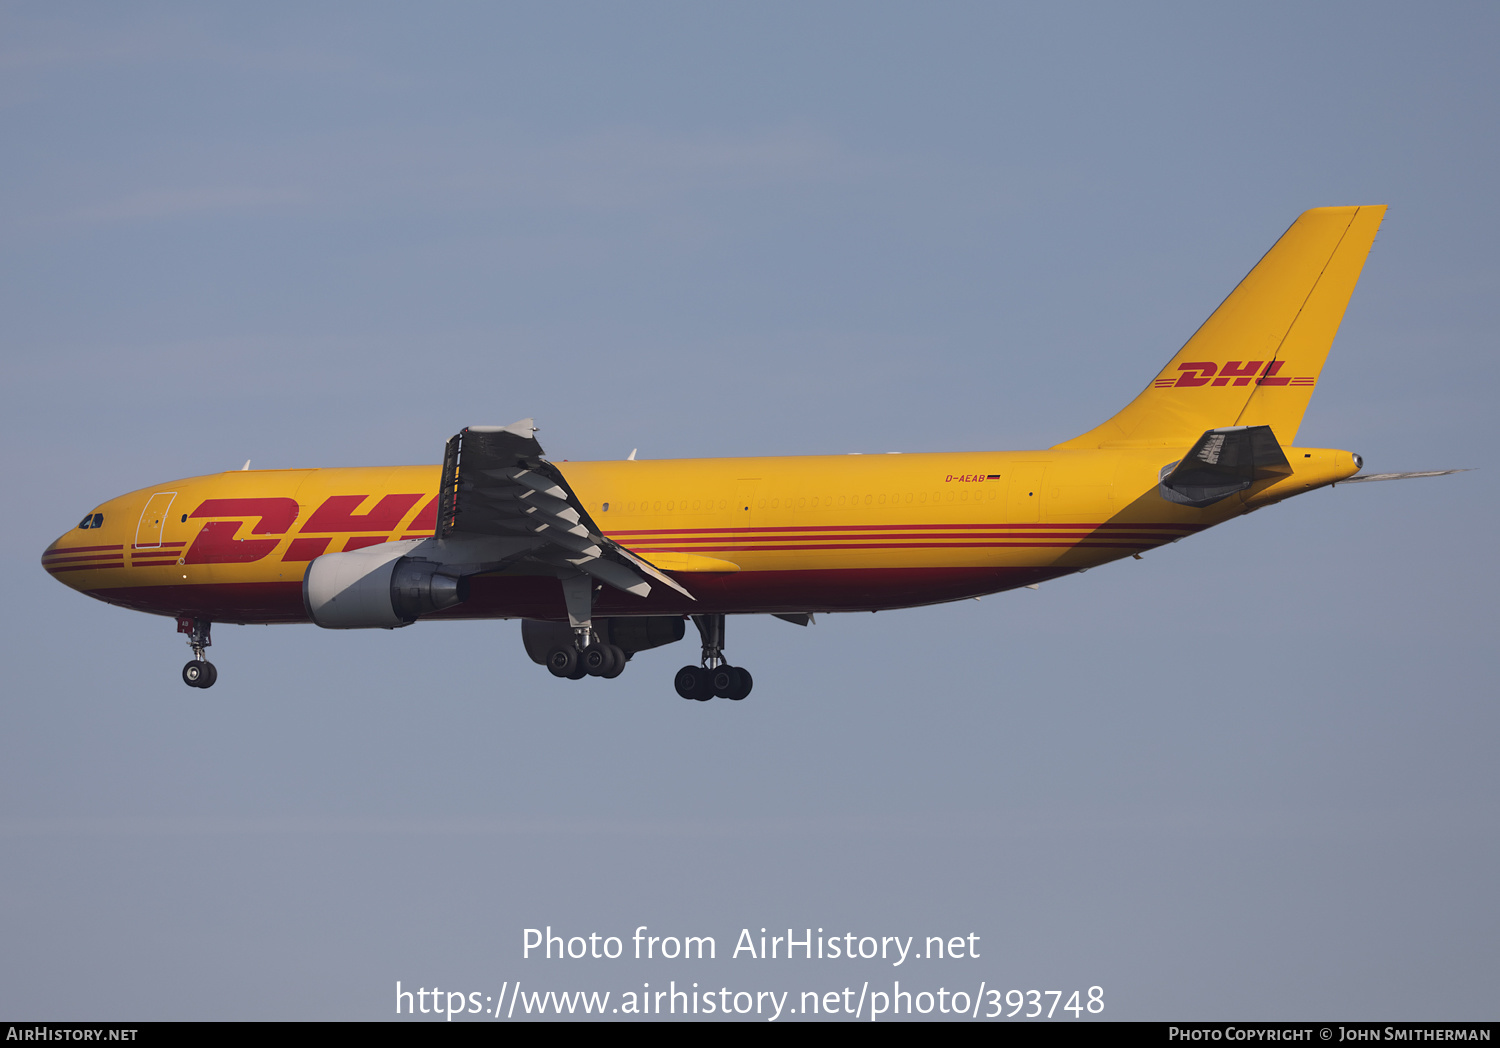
x=619, y=666
x=562, y=662
x=693, y=682
x=211, y=676
x=598, y=660
x=194, y=673
x=743, y=683
x=724, y=680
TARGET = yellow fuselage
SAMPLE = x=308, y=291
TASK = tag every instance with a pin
x=804, y=534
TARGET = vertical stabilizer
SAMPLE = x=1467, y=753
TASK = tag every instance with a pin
x=1256, y=361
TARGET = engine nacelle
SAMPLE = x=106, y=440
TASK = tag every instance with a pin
x=377, y=587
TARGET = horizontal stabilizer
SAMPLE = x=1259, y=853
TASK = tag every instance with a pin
x=1222, y=462
x=1401, y=476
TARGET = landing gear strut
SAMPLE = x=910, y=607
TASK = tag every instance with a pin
x=199, y=673
x=714, y=676
x=587, y=656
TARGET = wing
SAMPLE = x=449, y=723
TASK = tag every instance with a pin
x=497, y=485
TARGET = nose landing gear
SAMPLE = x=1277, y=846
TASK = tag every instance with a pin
x=714, y=677
x=199, y=673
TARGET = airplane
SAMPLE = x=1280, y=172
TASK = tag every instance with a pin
x=601, y=560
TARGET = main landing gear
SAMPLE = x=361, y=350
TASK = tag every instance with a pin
x=584, y=647
x=595, y=660
x=199, y=673
x=714, y=677
x=588, y=655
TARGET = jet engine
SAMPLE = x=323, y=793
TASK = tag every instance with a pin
x=377, y=587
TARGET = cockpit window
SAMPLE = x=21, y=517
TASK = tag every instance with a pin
x=93, y=520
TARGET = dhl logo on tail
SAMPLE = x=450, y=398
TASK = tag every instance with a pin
x=1233, y=372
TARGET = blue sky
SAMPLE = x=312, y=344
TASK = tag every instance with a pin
x=1249, y=776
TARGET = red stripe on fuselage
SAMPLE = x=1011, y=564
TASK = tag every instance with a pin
x=899, y=545
x=761, y=531
x=90, y=558
x=959, y=538
x=539, y=596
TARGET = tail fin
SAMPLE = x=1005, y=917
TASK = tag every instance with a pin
x=1256, y=360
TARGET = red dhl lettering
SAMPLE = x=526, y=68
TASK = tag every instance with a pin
x=1239, y=373
x=306, y=549
x=426, y=520
x=361, y=541
x=1196, y=373
x=337, y=514
x=1271, y=369
x=216, y=542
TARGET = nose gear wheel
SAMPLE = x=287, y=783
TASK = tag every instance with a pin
x=199, y=674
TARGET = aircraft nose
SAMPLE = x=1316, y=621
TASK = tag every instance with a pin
x=75, y=555
x=56, y=557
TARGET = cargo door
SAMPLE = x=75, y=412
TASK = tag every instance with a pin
x=153, y=520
